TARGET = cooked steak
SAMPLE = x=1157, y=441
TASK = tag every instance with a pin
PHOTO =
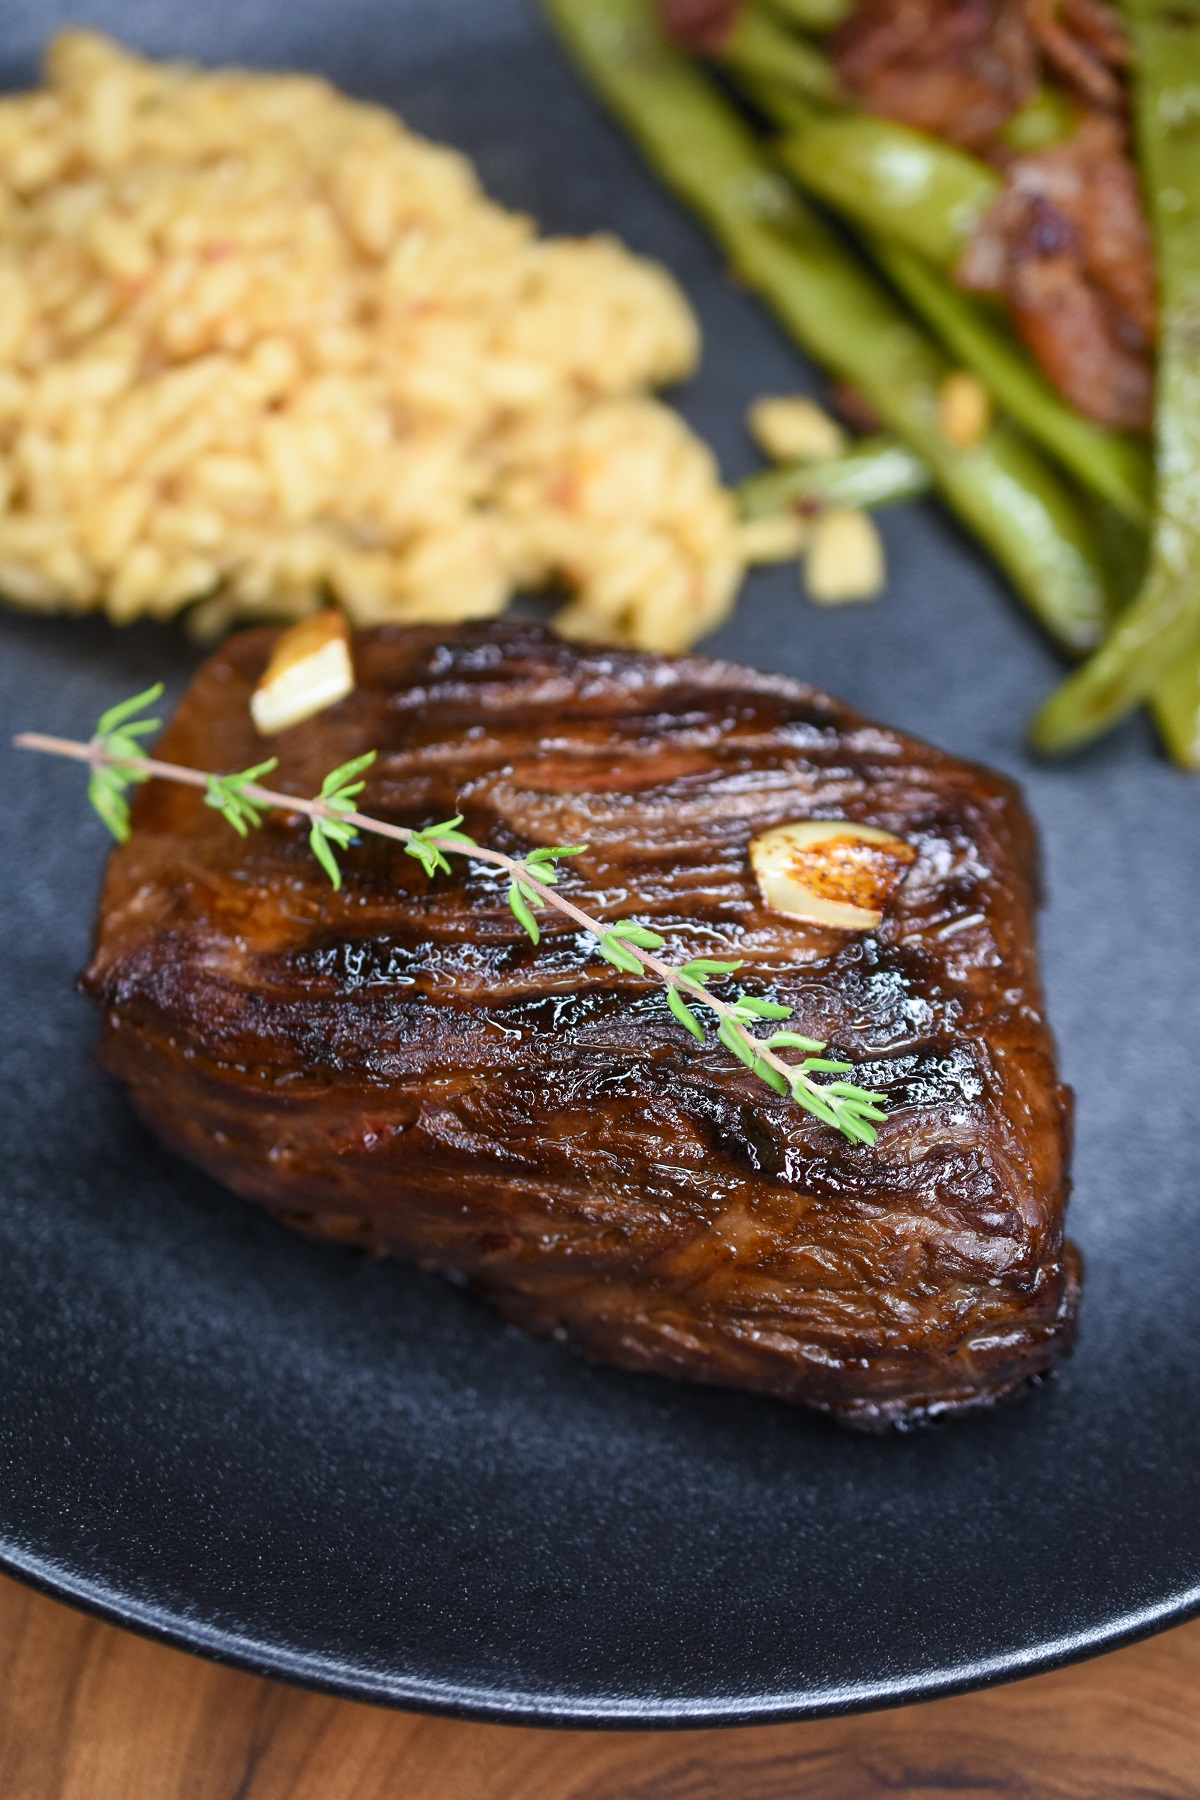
x=396, y=1066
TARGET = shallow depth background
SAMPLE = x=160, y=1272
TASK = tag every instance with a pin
x=355, y=1473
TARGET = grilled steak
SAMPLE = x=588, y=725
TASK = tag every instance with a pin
x=395, y=1065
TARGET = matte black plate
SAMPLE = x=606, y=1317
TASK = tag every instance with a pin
x=353, y=1475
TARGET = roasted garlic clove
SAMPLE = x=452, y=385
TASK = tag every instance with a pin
x=777, y=537
x=793, y=428
x=964, y=409
x=845, y=559
x=830, y=871
x=310, y=669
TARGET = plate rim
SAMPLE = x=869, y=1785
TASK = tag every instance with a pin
x=247, y=1650
x=345, y=1681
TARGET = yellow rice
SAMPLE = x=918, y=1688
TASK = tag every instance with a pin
x=261, y=346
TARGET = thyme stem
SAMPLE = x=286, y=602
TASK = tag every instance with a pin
x=851, y=1110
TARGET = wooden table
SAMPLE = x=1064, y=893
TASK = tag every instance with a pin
x=91, y=1713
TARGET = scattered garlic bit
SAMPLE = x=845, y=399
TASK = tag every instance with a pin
x=845, y=559
x=792, y=428
x=776, y=537
x=310, y=669
x=830, y=872
x=964, y=409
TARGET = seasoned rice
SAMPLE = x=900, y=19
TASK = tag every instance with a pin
x=261, y=346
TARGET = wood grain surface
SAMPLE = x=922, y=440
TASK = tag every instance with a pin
x=91, y=1713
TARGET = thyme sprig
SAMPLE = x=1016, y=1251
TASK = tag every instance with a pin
x=115, y=760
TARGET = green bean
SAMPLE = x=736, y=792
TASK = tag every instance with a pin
x=1176, y=707
x=921, y=192
x=1163, y=623
x=1116, y=467
x=1048, y=118
x=782, y=105
x=1108, y=463
x=1003, y=489
x=876, y=472
x=809, y=15
x=1122, y=548
x=760, y=47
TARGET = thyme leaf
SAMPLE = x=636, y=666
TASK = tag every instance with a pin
x=114, y=752
x=522, y=899
x=227, y=793
x=683, y=1011
x=338, y=792
x=428, y=852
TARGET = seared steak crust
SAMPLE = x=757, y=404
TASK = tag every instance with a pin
x=395, y=1065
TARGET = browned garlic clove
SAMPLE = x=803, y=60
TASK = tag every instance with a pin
x=309, y=669
x=845, y=559
x=778, y=537
x=964, y=409
x=793, y=428
x=830, y=871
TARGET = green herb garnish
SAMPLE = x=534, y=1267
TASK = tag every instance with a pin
x=116, y=760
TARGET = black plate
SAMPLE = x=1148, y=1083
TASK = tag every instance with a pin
x=353, y=1475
